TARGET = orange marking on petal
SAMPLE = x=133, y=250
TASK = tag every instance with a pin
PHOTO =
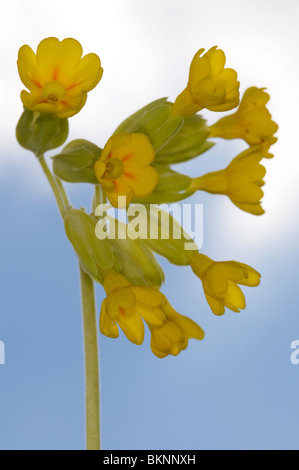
x=109, y=155
x=122, y=311
x=64, y=103
x=73, y=85
x=115, y=184
x=127, y=157
x=129, y=175
x=55, y=73
x=36, y=83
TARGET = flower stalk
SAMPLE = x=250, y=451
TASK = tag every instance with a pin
x=92, y=387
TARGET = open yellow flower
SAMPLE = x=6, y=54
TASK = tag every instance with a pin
x=241, y=181
x=251, y=122
x=123, y=168
x=220, y=281
x=57, y=78
x=127, y=306
x=210, y=85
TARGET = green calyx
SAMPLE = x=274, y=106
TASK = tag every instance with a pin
x=40, y=132
x=75, y=162
x=95, y=255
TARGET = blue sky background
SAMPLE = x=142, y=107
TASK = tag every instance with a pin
x=237, y=389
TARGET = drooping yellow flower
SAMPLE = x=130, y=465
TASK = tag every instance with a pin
x=210, y=85
x=241, y=181
x=57, y=78
x=220, y=281
x=123, y=168
x=251, y=122
x=127, y=306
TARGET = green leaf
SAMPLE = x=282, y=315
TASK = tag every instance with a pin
x=40, y=132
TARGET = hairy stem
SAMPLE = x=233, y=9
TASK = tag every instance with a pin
x=92, y=388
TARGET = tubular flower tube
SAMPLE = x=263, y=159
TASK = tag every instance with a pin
x=127, y=306
x=57, y=76
x=210, y=85
x=123, y=168
x=220, y=281
x=241, y=181
x=251, y=122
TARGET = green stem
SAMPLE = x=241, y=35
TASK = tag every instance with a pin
x=62, y=192
x=96, y=197
x=53, y=183
x=99, y=197
x=92, y=388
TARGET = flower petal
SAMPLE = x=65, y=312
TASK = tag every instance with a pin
x=88, y=74
x=107, y=327
x=216, y=305
x=28, y=70
x=132, y=327
x=139, y=153
x=234, y=297
x=148, y=296
x=143, y=181
x=57, y=60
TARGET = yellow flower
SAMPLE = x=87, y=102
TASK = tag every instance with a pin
x=210, y=85
x=251, y=122
x=123, y=168
x=57, y=78
x=220, y=281
x=241, y=181
x=127, y=306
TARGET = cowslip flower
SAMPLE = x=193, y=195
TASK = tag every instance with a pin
x=241, y=181
x=220, y=281
x=128, y=307
x=252, y=121
x=210, y=85
x=57, y=78
x=123, y=168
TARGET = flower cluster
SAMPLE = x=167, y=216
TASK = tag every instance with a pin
x=136, y=166
x=128, y=306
